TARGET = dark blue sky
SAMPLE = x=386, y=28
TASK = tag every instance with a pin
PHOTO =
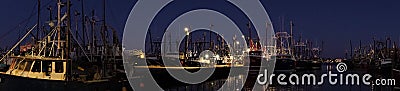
x=338, y=21
x=333, y=21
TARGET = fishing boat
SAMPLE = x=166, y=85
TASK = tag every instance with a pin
x=285, y=60
x=59, y=60
x=296, y=55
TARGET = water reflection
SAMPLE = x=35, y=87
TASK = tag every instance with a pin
x=234, y=83
x=141, y=78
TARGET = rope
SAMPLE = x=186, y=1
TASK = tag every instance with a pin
x=80, y=46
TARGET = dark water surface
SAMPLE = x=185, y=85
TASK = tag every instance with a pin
x=235, y=83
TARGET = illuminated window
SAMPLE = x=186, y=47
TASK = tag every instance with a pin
x=59, y=67
x=36, y=66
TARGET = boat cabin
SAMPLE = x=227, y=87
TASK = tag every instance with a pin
x=38, y=67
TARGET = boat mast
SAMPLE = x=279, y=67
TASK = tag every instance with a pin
x=249, y=38
x=211, y=46
x=93, y=40
x=351, y=51
x=151, y=41
x=59, y=26
x=67, y=47
x=291, y=38
x=83, y=23
x=104, y=38
x=170, y=41
x=51, y=23
x=249, y=29
x=104, y=27
x=104, y=13
x=38, y=21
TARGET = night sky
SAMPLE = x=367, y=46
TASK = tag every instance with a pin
x=335, y=22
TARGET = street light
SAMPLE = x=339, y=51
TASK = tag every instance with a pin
x=187, y=42
x=186, y=30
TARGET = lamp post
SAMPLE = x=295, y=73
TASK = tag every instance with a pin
x=244, y=46
x=187, y=43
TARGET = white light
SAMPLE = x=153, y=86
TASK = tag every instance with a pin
x=206, y=56
x=186, y=29
x=142, y=56
x=217, y=56
x=237, y=42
